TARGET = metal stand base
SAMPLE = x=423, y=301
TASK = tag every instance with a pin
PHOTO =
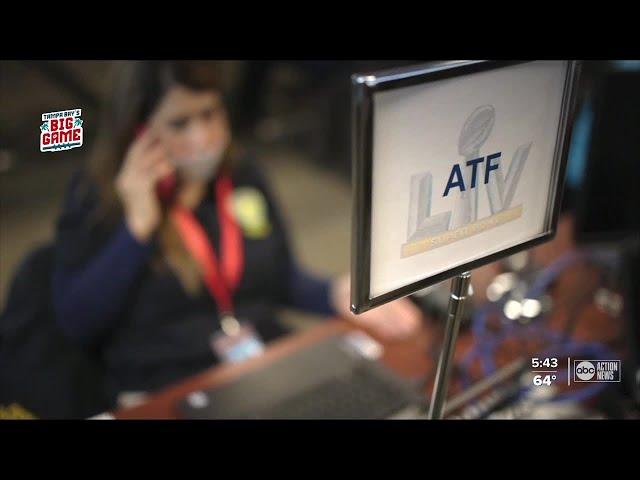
x=459, y=292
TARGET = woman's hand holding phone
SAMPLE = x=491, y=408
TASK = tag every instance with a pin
x=144, y=165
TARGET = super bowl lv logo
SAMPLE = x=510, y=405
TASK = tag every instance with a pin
x=61, y=130
x=477, y=171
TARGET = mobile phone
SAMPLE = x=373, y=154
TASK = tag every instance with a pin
x=167, y=186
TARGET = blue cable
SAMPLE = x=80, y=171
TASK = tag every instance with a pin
x=487, y=341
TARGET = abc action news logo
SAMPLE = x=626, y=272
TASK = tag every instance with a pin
x=61, y=130
x=596, y=370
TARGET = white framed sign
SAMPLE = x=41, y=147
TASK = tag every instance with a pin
x=455, y=165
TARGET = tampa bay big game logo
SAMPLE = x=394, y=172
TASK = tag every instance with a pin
x=427, y=231
x=61, y=130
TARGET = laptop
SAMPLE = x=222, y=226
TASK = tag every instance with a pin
x=332, y=379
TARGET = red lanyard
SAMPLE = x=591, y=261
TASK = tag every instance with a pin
x=221, y=277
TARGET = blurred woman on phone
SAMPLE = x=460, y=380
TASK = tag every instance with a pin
x=171, y=254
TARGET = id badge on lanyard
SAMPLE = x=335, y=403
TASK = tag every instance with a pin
x=235, y=341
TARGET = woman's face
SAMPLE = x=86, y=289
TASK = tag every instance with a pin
x=194, y=128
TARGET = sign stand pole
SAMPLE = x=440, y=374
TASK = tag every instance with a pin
x=459, y=293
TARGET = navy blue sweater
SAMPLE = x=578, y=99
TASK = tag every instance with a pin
x=109, y=293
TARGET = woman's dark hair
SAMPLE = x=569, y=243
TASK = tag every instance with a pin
x=139, y=87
